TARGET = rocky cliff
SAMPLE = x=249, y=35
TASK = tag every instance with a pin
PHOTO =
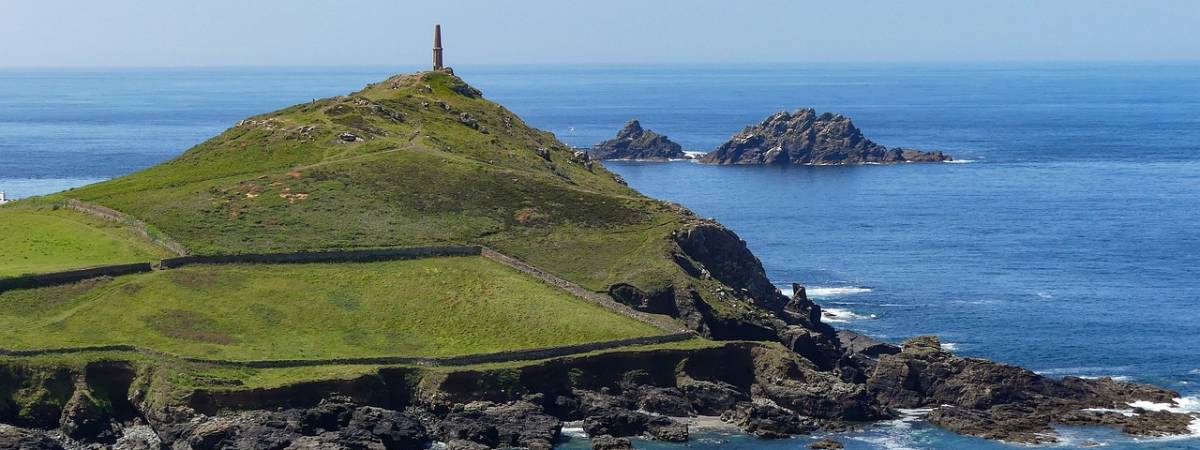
x=804, y=137
x=763, y=388
x=635, y=142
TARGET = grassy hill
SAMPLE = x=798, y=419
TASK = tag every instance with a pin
x=39, y=240
x=429, y=307
x=415, y=160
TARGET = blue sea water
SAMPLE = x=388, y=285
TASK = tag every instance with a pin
x=1067, y=242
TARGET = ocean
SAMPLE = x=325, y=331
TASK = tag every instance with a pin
x=1065, y=239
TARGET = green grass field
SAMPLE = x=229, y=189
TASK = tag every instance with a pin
x=47, y=240
x=428, y=307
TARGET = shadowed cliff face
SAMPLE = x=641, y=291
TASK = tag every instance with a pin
x=803, y=137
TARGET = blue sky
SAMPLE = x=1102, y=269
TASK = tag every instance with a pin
x=83, y=33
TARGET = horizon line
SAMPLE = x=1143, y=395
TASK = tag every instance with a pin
x=613, y=64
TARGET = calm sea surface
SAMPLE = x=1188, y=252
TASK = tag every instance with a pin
x=1068, y=240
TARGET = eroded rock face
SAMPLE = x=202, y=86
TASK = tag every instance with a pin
x=804, y=137
x=725, y=257
x=635, y=142
x=765, y=388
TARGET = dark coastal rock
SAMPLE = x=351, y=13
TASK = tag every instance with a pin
x=623, y=422
x=635, y=142
x=606, y=442
x=712, y=398
x=1010, y=423
x=801, y=387
x=661, y=302
x=725, y=257
x=1000, y=401
x=1158, y=424
x=803, y=137
x=392, y=428
x=13, y=438
x=516, y=424
x=860, y=354
x=766, y=421
x=826, y=444
x=665, y=401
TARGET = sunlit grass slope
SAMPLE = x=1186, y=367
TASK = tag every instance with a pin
x=428, y=307
x=39, y=240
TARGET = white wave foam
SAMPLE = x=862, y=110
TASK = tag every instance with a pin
x=1194, y=371
x=840, y=315
x=1123, y=412
x=1114, y=377
x=950, y=346
x=826, y=292
x=1183, y=405
x=1044, y=295
x=1078, y=371
x=574, y=429
x=961, y=161
x=694, y=155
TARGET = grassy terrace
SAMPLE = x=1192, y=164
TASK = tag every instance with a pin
x=428, y=307
x=48, y=240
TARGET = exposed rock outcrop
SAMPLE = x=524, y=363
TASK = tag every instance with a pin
x=804, y=137
x=1000, y=401
x=764, y=388
x=635, y=142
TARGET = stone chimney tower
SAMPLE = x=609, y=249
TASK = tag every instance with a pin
x=437, y=47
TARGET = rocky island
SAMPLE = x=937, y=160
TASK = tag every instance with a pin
x=538, y=290
x=804, y=137
x=636, y=143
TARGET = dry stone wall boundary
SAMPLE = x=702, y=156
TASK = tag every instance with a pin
x=138, y=226
x=464, y=360
x=71, y=276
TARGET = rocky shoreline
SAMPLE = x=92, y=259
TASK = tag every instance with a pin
x=764, y=389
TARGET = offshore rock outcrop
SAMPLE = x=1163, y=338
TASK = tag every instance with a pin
x=804, y=137
x=635, y=142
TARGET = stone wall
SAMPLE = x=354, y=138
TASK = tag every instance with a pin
x=603, y=300
x=138, y=226
x=71, y=276
x=465, y=360
x=367, y=255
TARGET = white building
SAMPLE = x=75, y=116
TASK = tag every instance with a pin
x=3, y=200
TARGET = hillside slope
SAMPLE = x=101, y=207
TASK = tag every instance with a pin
x=424, y=159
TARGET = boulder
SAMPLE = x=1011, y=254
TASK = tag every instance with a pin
x=606, y=442
x=516, y=424
x=22, y=439
x=635, y=142
x=826, y=444
x=394, y=429
x=1158, y=424
x=804, y=137
x=766, y=421
x=665, y=401
x=711, y=398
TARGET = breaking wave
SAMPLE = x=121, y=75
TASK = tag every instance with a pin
x=840, y=315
